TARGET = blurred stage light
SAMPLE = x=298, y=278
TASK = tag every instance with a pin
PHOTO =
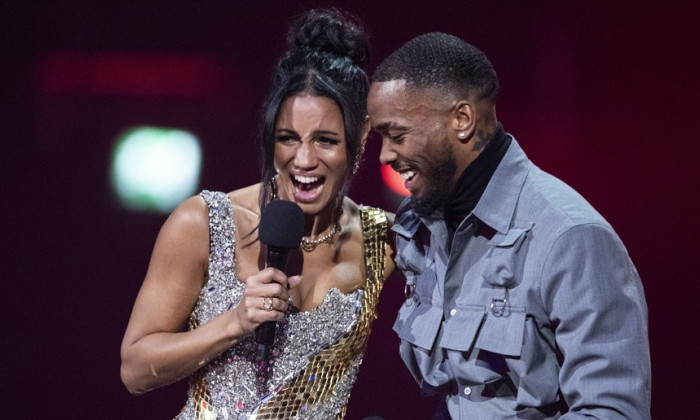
x=154, y=169
x=393, y=180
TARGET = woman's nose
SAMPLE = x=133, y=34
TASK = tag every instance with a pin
x=306, y=156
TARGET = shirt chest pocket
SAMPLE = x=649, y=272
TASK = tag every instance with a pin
x=503, y=264
x=475, y=327
x=484, y=316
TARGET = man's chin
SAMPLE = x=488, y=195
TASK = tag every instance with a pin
x=425, y=207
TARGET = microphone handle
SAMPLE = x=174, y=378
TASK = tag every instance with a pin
x=265, y=333
x=277, y=257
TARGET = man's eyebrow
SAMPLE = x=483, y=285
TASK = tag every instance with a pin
x=386, y=126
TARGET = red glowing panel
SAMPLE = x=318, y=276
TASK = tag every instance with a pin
x=393, y=180
x=130, y=74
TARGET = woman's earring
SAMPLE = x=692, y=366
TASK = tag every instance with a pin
x=273, y=187
x=358, y=158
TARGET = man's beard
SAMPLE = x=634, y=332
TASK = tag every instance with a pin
x=438, y=173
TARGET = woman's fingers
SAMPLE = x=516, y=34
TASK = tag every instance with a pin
x=268, y=275
x=274, y=304
x=265, y=298
x=293, y=281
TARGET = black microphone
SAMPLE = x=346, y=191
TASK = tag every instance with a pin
x=281, y=228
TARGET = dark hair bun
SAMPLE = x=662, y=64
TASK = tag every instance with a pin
x=331, y=31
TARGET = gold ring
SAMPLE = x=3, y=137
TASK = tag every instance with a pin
x=267, y=304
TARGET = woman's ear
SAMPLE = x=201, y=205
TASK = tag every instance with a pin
x=363, y=139
x=361, y=148
x=365, y=131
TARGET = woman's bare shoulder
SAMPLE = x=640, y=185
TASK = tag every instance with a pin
x=246, y=199
x=189, y=217
x=246, y=210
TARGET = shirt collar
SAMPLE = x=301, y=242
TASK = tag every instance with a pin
x=407, y=221
x=496, y=206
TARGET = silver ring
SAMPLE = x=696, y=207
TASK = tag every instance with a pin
x=267, y=304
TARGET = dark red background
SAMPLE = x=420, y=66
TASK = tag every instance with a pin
x=602, y=94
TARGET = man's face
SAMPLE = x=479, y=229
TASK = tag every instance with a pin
x=414, y=142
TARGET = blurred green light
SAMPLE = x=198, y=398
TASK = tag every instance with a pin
x=154, y=169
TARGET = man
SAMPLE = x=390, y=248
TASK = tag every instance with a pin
x=522, y=301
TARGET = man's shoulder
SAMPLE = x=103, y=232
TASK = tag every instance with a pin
x=549, y=201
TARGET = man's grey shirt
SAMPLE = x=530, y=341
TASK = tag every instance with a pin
x=533, y=309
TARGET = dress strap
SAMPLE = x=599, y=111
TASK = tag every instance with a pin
x=374, y=233
x=221, y=260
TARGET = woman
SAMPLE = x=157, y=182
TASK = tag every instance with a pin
x=207, y=266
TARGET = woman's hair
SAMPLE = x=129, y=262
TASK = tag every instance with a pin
x=327, y=51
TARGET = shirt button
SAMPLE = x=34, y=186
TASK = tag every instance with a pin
x=467, y=391
x=453, y=312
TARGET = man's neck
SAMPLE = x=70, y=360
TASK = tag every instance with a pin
x=473, y=180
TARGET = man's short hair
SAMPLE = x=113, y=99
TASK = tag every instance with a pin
x=443, y=63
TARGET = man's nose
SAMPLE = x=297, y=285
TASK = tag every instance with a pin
x=387, y=155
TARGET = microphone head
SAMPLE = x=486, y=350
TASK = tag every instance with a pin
x=281, y=224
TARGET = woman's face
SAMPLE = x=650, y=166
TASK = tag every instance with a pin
x=310, y=152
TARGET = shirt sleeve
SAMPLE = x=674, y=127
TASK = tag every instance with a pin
x=596, y=304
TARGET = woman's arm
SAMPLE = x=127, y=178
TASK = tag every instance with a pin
x=156, y=349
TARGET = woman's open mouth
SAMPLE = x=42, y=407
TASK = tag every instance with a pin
x=307, y=188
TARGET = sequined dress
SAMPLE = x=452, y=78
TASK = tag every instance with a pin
x=316, y=354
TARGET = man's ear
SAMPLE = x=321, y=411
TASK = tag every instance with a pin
x=464, y=120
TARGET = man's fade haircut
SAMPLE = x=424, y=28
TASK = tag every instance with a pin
x=443, y=63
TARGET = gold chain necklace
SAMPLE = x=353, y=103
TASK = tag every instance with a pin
x=309, y=245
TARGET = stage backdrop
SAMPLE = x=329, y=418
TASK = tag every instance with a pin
x=602, y=94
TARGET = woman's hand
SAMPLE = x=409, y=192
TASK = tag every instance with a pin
x=265, y=298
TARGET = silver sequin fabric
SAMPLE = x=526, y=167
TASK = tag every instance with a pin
x=232, y=387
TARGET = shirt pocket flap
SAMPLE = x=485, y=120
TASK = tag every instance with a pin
x=503, y=334
x=418, y=323
x=509, y=238
x=411, y=259
x=461, y=329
